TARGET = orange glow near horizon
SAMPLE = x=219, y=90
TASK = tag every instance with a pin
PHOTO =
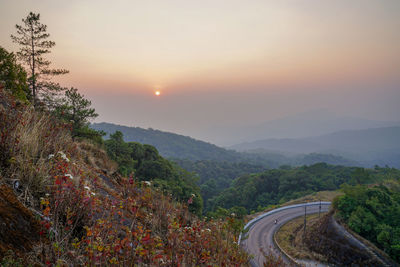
x=264, y=46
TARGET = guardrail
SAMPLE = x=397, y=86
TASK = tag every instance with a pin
x=252, y=222
x=284, y=251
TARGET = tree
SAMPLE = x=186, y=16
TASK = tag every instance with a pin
x=32, y=37
x=120, y=152
x=12, y=75
x=360, y=176
x=76, y=109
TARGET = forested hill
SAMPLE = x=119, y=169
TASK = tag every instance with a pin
x=171, y=145
x=374, y=213
x=257, y=191
x=179, y=147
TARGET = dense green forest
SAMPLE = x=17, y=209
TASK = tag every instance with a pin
x=144, y=163
x=215, y=176
x=257, y=191
x=374, y=213
x=222, y=171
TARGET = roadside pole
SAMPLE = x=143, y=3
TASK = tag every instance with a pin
x=319, y=212
x=305, y=222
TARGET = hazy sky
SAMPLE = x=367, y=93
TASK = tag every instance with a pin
x=222, y=63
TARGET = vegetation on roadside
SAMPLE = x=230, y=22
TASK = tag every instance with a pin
x=373, y=212
x=256, y=192
x=315, y=197
x=328, y=238
x=290, y=239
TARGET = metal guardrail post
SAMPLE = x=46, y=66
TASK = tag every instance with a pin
x=305, y=222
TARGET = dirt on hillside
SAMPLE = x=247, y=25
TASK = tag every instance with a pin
x=19, y=229
x=327, y=238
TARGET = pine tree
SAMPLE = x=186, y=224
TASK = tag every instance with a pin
x=32, y=37
x=76, y=110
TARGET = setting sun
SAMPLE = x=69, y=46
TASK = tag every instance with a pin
x=157, y=93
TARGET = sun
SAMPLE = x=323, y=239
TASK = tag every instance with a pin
x=157, y=93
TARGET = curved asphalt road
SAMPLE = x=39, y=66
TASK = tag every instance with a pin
x=261, y=234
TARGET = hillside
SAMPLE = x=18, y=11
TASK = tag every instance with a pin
x=257, y=191
x=375, y=146
x=373, y=212
x=171, y=145
x=179, y=147
x=62, y=203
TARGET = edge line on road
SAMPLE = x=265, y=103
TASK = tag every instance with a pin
x=280, y=248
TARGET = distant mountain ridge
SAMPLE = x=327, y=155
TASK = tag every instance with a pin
x=371, y=146
x=302, y=125
x=171, y=145
x=175, y=146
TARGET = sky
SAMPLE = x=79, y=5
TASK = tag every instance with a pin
x=222, y=63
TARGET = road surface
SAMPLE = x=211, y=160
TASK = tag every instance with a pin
x=261, y=234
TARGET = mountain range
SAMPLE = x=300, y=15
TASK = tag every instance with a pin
x=300, y=125
x=375, y=146
x=179, y=147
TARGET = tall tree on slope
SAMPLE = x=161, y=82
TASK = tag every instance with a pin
x=75, y=108
x=32, y=37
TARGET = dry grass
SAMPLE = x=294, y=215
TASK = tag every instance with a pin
x=318, y=196
x=38, y=137
x=290, y=238
x=28, y=138
x=96, y=157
